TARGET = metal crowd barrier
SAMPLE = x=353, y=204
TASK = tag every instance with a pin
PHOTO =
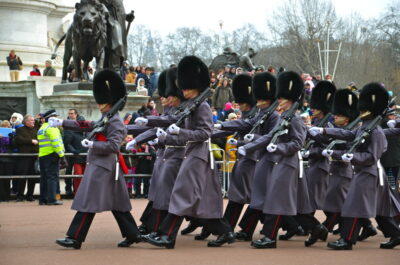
x=15, y=155
x=223, y=177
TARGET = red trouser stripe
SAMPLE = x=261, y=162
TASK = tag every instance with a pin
x=235, y=216
x=80, y=226
x=276, y=227
x=172, y=225
x=352, y=229
x=157, y=221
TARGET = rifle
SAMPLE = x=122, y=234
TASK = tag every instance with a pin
x=266, y=115
x=251, y=115
x=349, y=127
x=100, y=125
x=322, y=124
x=283, y=126
x=190, y=109
x=181, y=107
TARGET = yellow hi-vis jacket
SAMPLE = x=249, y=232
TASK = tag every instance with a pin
x=50, y=141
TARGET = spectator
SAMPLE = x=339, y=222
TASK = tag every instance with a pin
x=144, y=166
x=35, y=71
x=16, y=122
x=239, y=70
x=51, y=153
x=127, y=118
x=151, y=105
x=227, y=69
x=15, y=65
x=124, y=70
x=316, y=79
x=76, y=164
x=260, y=69
x=131, y=76
x=141, y=89
x=222, y=95
x=145, y=76
x=49, y=70
x=26, y=141
x=6, y=163
x=232, y=73
x=130, y=163
x=328, y=77
x=90, y=73
x=391, y=158
x=138, y=69
x=153, y=82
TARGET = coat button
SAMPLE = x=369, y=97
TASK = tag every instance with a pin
x=163, y=159
x=87, y=163
x=184, y=157
x=276, y=163
x=330, y=174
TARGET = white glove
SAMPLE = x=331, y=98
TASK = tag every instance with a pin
x=271, y=148
x=327, y=153
x=391, y=123
x=161, y=134
x=347, y=157
x=130, y=145
x=173, y=129
x=242, y=151
x=248, y=138
x=315, y=130
x=153, y=142
x=218, y=126
x=232, y=141
x=141, y=121
x=305, y=154
x=55, y=122
x=86, y=143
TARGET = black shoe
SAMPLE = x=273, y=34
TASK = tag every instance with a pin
x=30, y=198
x=302, y=232
x=20, y=198
x=69, y=243
x=127, y=242
x=243, y=236
x=290, y=233
x=143, y=229
x=203, y=235
x=336, y=232
x=367, y=232
x=394, y=241
x=340, y=244
x=69, y=194
x=319, y=232
x=159, y=241
x=42, y=203
x=189, y=229
x=55, y=203
x=264, y=242
x=222, y=239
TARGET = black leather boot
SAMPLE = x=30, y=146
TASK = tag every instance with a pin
x=243, y=236
x=394, y=241
x=222, y=239
x=203, y=235
x=69, y=243
x=290, y=233
x=264, y=242
x=127, y=242
x=189, y=229
x=367, y=232
x=159, y=241
x=143, y=229
x=318, y=232
x=340, y=244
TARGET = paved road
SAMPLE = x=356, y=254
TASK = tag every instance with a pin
x=28, y=231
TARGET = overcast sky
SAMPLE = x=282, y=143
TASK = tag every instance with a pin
x=165, y=16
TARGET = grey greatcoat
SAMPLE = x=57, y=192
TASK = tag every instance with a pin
x=197, y=191
x=317, y=174
x=280, y=169
x=99, y=191
x=243, y=180
x=366, y=198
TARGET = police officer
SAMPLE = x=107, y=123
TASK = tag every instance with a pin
x=51, y=155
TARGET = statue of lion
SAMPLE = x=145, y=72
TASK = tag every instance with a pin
x=86, y=38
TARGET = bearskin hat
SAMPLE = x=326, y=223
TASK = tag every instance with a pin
x=289, y=86
x=172, y=88
x=108, y=87
x=162, y=84
x=193, y=74
x=322, y=96
x=345, y=103
x=264, y=86
x=242, y=90
x=374, y=98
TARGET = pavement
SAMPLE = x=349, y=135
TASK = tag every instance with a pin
x=28, y=232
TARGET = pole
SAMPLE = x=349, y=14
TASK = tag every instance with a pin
x=337, y=59
x=327, y=50
x=320, y=59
